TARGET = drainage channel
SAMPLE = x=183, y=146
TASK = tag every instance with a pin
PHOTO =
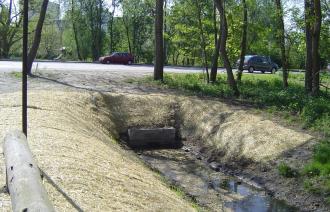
x=211, y=190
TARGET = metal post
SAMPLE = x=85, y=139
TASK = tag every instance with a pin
x=25, y=66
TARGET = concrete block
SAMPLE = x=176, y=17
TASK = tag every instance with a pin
x=156, y=137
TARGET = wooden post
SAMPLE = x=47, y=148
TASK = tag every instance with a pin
x=25, y=65
x=23, y=176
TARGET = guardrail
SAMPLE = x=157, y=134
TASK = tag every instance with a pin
x=23, y=176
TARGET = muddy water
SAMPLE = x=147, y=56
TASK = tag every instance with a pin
x=212, y=190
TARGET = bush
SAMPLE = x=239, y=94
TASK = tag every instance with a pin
x=315, y=109
x=322, y=153
x=318, y=170
x=287, y=171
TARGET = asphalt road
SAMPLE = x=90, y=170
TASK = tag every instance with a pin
x=90, y=76
x=14, y=66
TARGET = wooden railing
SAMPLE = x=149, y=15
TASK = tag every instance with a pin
x=24, y=181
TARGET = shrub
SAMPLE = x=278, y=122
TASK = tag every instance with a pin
x=322, y=153
x=315, y=109
x=286, y=171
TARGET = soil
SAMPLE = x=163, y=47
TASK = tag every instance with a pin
x=91, y=111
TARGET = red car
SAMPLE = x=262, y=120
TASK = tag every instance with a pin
x=118, y=57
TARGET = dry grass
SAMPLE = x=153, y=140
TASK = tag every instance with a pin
x=72, y=135
x=68, y=135
x=237, y=133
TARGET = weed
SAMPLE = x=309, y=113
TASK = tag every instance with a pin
x=286, y=171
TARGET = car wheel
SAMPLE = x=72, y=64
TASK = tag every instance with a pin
x=273, y=70
x=251, y=69
x=129, y=62
x=108, y=62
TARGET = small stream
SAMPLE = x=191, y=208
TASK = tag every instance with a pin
x=211, y=190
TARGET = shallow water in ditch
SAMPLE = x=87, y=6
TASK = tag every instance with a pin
x=214, y=191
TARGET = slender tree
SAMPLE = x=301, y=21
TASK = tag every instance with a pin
x=316, y=46
x=281, y=39
x=308, y=34
x=214, y=69
x=10, y=24
x=125, y=22
x=202, y=37
x=114, y=6
x=75, y=29
x=223, y=46
x=37, y=35
x=165, y=31
x=159, y=41
x=243, y=41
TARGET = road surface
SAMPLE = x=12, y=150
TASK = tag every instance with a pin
x=91, y=76
x=14, y=66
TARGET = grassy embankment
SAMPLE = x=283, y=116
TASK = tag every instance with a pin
x=265, y=91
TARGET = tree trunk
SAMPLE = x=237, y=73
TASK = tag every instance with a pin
x=165, y=31
x=243, y=42
x=37, y=36
x=309, y=62
x=214, y=69
x=203, y=43
x=316, y=45
x=281, y=39
x=9, y=29
x=159, y=42
x=223, y=47
x=75, y=32
x=127, y=35
x=111, y=25
x=313, y=21
x=99, y=39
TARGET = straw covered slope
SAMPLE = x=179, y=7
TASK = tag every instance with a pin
x=71, y=138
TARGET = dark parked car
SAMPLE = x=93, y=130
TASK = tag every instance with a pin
x=258, y=63
x=118, y=57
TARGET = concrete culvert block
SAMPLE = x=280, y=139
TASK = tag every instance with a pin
x=152, y=137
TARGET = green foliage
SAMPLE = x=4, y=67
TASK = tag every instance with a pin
x=315, y=108
x=286, y=171
x=321, y=161
x=133, y=29
x=138, y=28
x=322, y=153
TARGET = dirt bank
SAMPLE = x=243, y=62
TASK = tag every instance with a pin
x=73, y=137
x=72, y=142
x=243, y=143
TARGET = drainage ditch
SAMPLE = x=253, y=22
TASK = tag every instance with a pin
x=205, y=184
x=223, y=133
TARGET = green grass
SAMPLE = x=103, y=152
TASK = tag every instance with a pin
x=318, y=171
x=16, y=74
x=265, y=91
x=287, y=171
